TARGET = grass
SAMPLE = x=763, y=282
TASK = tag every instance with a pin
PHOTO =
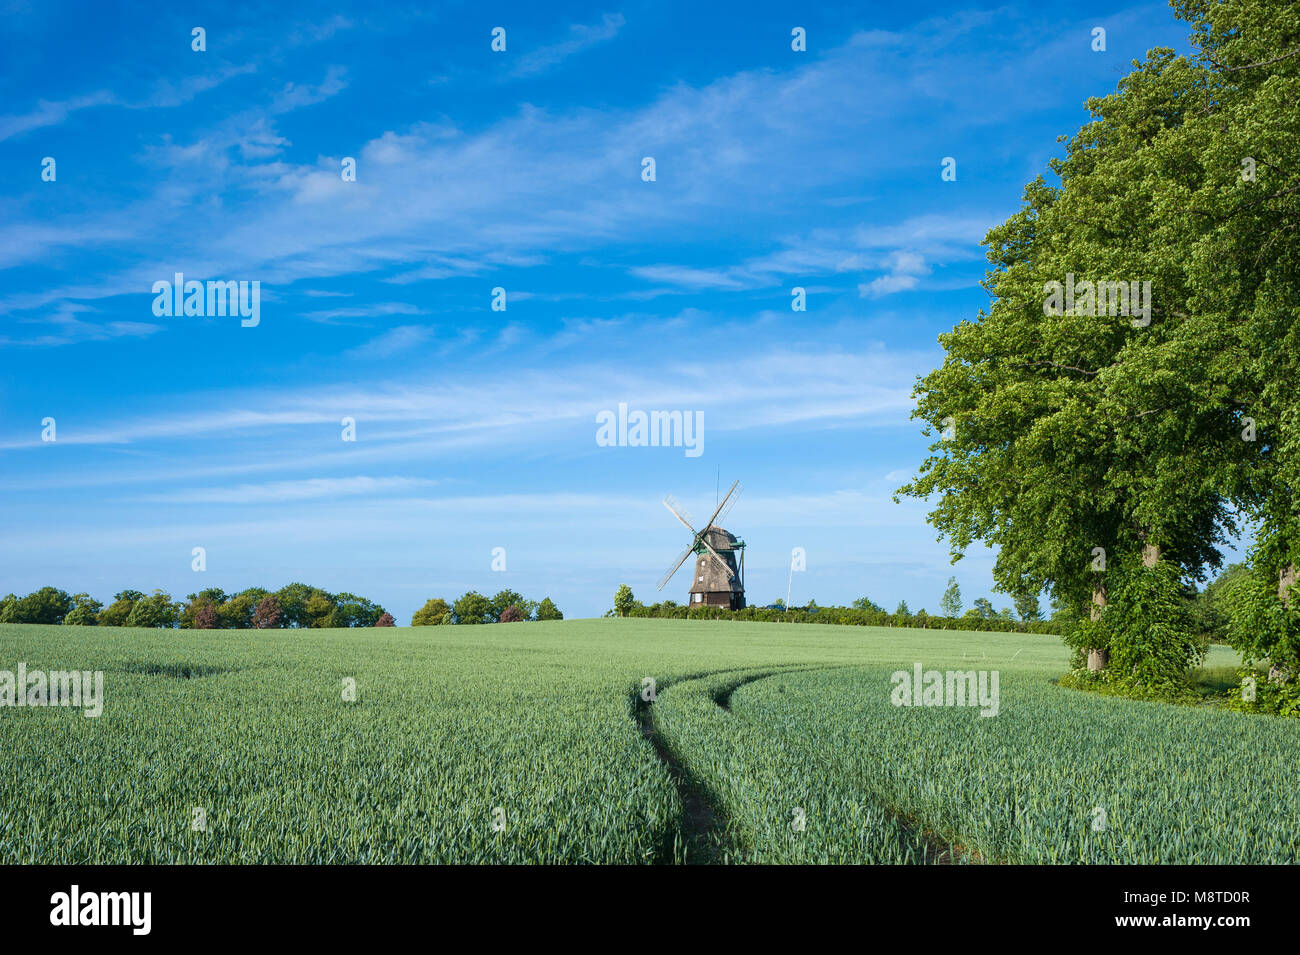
x=541, y=727
x=1211, y=682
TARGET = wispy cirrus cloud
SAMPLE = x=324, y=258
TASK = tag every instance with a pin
x=581, y=37
x=295, y=96
x=687, y=277
x=51, y=113
x=305, y=489
x=904, y=250
x=561, y=181
x=168, y=93
x=319, y=31
x=63, y=327
x=374, y=310
x=811, y=387
x=395, y=341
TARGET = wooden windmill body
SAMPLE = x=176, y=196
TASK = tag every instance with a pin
x=719, y=570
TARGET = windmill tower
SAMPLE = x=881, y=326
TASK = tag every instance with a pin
x=719, y=577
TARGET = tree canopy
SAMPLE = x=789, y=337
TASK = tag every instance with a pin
x=1132, y=386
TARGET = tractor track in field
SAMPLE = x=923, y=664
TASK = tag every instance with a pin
x=705, y=839
x=704, y=828
x=704, y=835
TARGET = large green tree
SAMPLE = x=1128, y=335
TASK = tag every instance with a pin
x=237, y=612
x=474, y=608
x=118, y=612
x=47, y=605
x=504, y=599
x=546, y=610
x=1027, y=607
x=156, y=610
x=1252, y=261
x=353, y=611
x=950, y=603
x=434, y=611
x=84, y=613
x=624, y=600
x=1087, y=437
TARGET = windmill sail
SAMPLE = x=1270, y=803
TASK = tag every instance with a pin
x=682, y=513
x=680, y=560
x=732, y=497
x=722, y=504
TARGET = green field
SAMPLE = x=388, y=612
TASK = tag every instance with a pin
x=539, y=728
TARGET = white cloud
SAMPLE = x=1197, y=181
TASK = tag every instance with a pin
x=320, y=31
x=692, y=278
x=278, y=492
x=581, y=37
x=542, y=182
x=63, y=327
x=51, y=113
x=296, y=96
x=167, y=94
x=546, y=408
x=915, y=242
x=906, y=270
x=393, y=342
x=376, y=310
x=888, y=285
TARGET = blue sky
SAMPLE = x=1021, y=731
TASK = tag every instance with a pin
x=522, y=169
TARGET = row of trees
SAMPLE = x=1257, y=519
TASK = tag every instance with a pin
x=294, y=605
x=1026, y=606
x=1108, y=452
x=863, y=613
x=474, y=608
x=1206, y=609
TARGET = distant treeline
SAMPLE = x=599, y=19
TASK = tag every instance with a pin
x=472, y=608
x=843, y=616
x=1207, y=612
x=293, y=605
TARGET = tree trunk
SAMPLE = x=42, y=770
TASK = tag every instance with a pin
x=1150, y=557
x=1097, y=658
x=1285, y=580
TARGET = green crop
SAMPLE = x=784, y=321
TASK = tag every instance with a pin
x=1057, y=776
x=531, y=743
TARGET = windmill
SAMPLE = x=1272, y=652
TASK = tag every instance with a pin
x=719, y=579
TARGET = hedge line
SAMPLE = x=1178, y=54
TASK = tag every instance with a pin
x=844, y=616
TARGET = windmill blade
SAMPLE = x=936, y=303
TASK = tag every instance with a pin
x=730, y=503
x=722, y=504
x=669, y=501
x=679, y=509
x=677, y=566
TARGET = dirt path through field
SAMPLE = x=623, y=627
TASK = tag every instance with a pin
x=705, y=839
